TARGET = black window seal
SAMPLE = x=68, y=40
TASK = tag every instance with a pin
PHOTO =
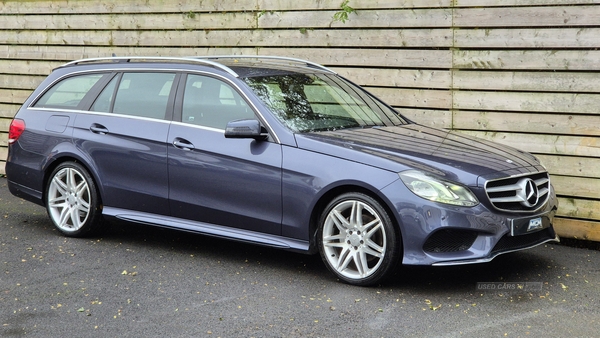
x=92, y=95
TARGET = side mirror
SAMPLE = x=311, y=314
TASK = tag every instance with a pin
x=245, y=129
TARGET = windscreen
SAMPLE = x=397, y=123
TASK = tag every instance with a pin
x=321, y=102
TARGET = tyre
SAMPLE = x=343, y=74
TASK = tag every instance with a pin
x=72, y=201
x=358, y=240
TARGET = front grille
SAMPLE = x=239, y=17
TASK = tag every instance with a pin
x=508, y=243
x=450, y=240
x=526, y=193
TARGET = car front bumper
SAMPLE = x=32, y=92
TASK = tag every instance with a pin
x=440, y=234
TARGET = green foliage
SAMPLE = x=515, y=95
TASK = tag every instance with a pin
x=305, y=30
x=342, y=14
x=263, y=12
x=190, y=15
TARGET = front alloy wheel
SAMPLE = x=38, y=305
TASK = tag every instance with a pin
x=72, y=200
x=357, y=239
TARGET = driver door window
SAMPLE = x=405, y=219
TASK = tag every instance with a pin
x=212, y=103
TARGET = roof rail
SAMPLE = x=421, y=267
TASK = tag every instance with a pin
x=275, y=58
x=205, y=60
x=152, y=58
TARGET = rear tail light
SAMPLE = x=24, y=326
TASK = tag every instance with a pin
x=17, y=127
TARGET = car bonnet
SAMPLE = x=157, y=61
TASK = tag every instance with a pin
x=443, y=153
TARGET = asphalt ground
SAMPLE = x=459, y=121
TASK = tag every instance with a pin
x=139, y=281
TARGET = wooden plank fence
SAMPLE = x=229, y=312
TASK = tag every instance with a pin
x=520, y=72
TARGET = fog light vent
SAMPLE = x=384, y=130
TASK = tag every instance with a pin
x=450, y=240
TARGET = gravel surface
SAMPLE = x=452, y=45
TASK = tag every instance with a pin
x=136, y=281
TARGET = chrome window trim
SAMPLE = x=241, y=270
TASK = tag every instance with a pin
x=103, y=114
x=161, y=70
x=222, y=131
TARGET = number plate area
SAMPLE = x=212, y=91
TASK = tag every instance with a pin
x=527, y=225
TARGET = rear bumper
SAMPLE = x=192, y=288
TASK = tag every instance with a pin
x=25, y=193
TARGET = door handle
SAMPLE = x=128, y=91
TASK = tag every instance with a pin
x=183, y=144
x=98, y=129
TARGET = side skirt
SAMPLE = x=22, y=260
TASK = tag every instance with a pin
x=208, y=229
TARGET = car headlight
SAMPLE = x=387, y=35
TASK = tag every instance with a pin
x=437, y=190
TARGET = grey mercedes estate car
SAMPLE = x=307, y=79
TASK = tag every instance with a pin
x=274, y=151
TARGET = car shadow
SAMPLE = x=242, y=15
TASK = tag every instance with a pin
x=525, y=266
x=517, y=267
x=208, y=247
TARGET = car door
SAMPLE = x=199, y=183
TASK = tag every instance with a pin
x=229, y=182
x=124, y=135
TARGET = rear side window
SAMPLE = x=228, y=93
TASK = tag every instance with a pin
x=68, y=93
x=142, y=94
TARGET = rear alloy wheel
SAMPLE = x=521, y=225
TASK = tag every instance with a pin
x=72, y=200
x=357, y=239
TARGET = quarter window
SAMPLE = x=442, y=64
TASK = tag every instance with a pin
x=68, y=93
x=212, y=103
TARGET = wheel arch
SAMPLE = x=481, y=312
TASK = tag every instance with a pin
x=68, y=157
x=332, y=193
